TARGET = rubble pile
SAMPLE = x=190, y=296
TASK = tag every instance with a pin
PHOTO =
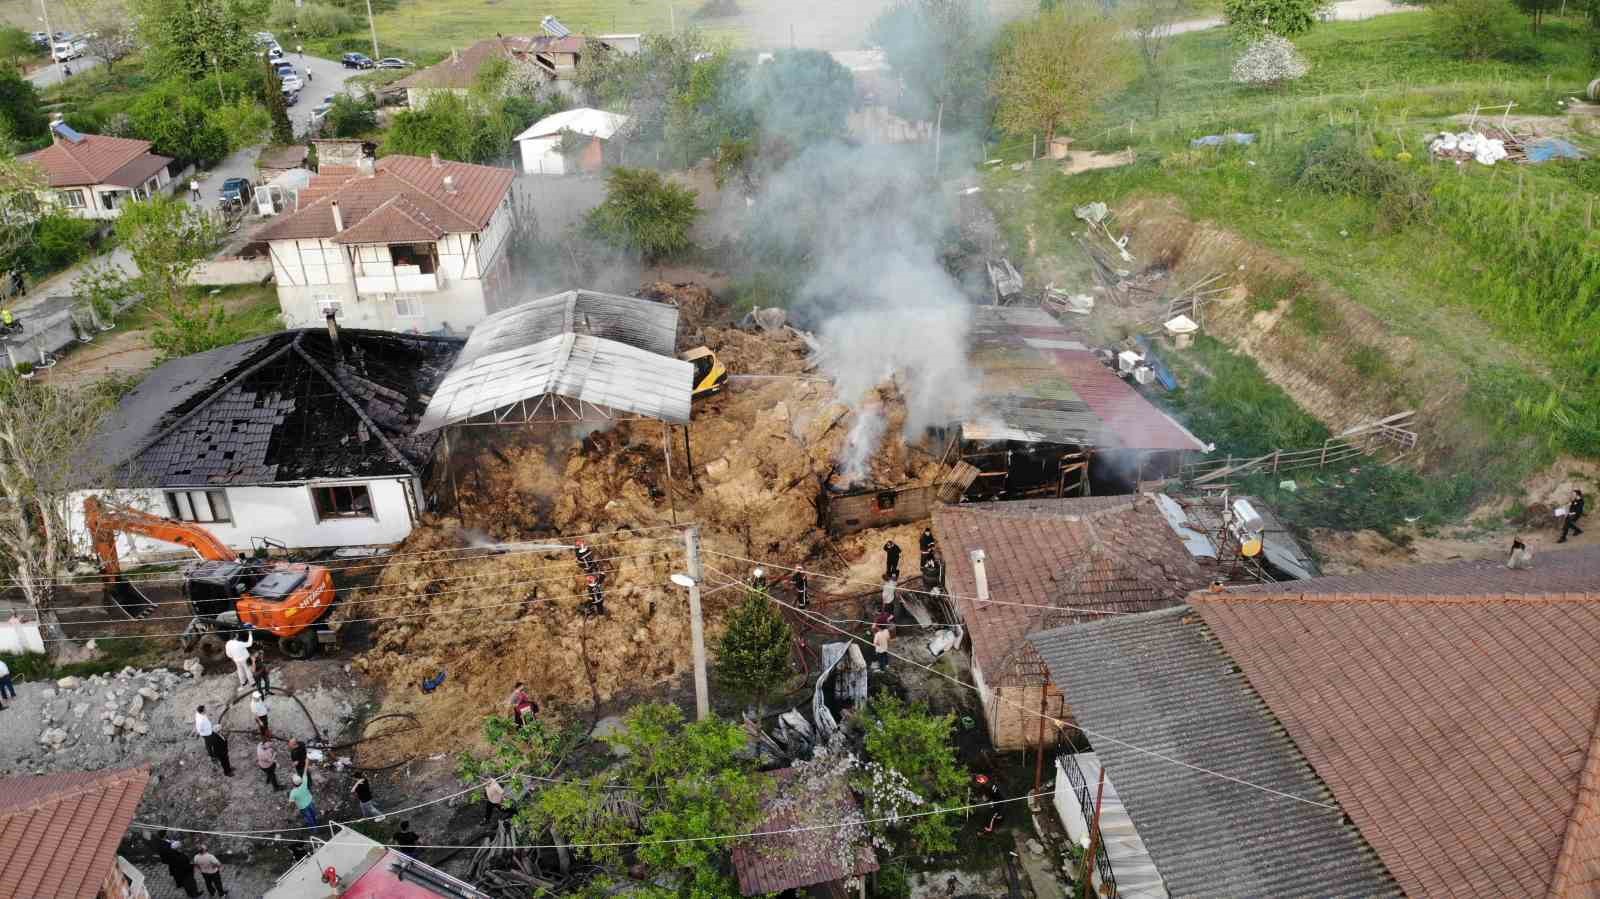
x=761, y=452
x=98, y=715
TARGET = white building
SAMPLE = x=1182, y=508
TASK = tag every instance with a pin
x=90, y=175
x=303, y=438
x=397, y=244
x=540, y=145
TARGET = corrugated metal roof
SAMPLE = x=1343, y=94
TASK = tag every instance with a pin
x=590, y=122
x=59, y=833
x=645, y=324
x=1161, y=682
x=587, y=369
x=1040, y=383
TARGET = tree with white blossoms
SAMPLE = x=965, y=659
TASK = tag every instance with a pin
x=1268, y=62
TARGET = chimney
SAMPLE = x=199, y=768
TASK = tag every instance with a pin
x=980, y=575
x=333, y=335
x=56, y=119
x=449, y=184
x=434, y=157
x=338, y=218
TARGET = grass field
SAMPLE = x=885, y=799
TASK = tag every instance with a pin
x=1501, y=278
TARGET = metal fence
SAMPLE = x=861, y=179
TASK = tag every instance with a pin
x=1362, y=440
x=1085, y=794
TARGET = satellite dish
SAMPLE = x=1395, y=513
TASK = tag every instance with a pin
x=682, y=580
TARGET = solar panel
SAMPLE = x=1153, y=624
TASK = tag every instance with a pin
x=67, y=131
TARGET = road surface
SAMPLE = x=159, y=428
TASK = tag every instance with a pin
x=1345, y=11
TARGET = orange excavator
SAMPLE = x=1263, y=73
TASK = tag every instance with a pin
x=226, y=591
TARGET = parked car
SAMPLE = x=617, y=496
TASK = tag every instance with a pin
x=237, y=189
x=357, y=61
x=292, y=82
x=274, y=52
x=41, y=40
x=68, y=50
x=393, y=62
x=291, y=96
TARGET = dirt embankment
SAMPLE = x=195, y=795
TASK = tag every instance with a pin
x=760, y=451
x=1340, y=361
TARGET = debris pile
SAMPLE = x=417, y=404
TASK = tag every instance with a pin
x=1479, y=146
x=99, y=715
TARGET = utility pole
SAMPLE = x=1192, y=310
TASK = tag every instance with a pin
x=50, y=38
x=373, y=28
x=697, y=631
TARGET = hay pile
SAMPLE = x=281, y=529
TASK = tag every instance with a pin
x=761, y=450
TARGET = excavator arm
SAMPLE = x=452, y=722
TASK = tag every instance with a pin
x=105, y=521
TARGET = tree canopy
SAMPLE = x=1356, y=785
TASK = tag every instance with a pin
x=802, y=96
x=1055, y=69
x=168, y=239
x=1251, y=20
x=939, y=50
x=195, y=39
x=644, y=214
x=753, y=656
x=177, y=123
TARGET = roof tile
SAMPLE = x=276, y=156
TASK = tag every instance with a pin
x=59, y=833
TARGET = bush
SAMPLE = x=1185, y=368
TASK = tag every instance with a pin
x=1477, y=29
x=351, y=117
x=1341, y=162
x=1268, y=62
x=59, y=241
x=1252, y=20
x=313, y=20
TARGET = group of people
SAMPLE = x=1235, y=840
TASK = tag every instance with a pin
x=594, y=578
x=182, y=866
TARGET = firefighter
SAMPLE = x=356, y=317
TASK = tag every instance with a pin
x=758, y=579
x=926, y=544
x=597, y=596
x=891, y=561
x=802, y=593
x=585, y=554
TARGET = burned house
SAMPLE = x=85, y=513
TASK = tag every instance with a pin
x=1015, y=568
x=1052, y=419
x=305, y=437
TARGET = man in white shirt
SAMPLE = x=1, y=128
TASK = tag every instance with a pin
x=258, y=708
x=7, y=691
x=216, y=746
x=239, y=651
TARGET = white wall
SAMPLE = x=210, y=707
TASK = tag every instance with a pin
x=542, y=156
x=460, y=305
x=20, y=636
x=285, y=514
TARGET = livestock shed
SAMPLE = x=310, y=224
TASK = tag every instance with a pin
x=592, y=130
x=1052, y=419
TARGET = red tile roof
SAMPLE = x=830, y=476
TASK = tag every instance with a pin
x=791, y=861
x=1066, y=559
x=93, y=160
x=59, y=833
x=1451, y=708
x=428, y=208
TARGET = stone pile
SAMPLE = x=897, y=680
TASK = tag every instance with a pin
x=102, y=708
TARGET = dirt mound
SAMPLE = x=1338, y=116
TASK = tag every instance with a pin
x=694, y=303
x=761, y=450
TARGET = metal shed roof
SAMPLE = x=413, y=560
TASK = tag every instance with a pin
x=568, y=377
x=646, y=324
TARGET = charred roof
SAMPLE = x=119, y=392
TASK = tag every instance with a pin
x=287, y=407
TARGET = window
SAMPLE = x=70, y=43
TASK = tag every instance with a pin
x=407, y=305
x=885, y=501
x=72, y=199
x=206, y=506
x=420, y=255
x=344, y=501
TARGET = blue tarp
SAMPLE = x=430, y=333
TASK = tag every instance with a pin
x=1217, y=140
x=1547, y=148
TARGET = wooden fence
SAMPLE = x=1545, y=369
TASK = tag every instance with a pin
x=1362, y=440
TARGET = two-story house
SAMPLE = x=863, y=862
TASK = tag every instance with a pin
x=400, y=243
x=90, y=175
x=555, y=57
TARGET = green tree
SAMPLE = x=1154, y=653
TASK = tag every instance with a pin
x=198, y=39
x=908, y=748
x=351, y=116
x=1055, y=70
x=112, y=35
x=676, y=781
x=168, y=239
x=1536, y=10
x=177, y=123
x=938, y=49
x=21, y=110
x=645, y=214
x=802, y=96
x=244, y=122
x=467, y=129
x=1150, y=24
x=16, y=47
x=709, y=109
x=277, y=106
x=1252, y=20
x=753, y=656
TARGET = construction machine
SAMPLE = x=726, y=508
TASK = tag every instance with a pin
x=709, y=374
x=226, y=591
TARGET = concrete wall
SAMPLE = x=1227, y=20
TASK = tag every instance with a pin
x=21, y=635
x=542, y=156
x=1011, y=711
x=285, y=514
x=226, y=270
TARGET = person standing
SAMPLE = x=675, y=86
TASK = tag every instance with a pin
x=267, y=761
x=886, y=607
x=926, y=545
x=494, y=798
x=297, y=756
x=363, y=794
x=586, y=559
x=891, y=561
x=597, y=595
x=522, y=705
x=239, y=651
x=880, y=644
x=258, y=671
x=210, y=869
x=7, y=689
x=406, y=837
x=216, y=745
x=194, y=190
x=179, y=865
x=301, y=797
x=1569, y=524
x=258, y=708
x=802, y=588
